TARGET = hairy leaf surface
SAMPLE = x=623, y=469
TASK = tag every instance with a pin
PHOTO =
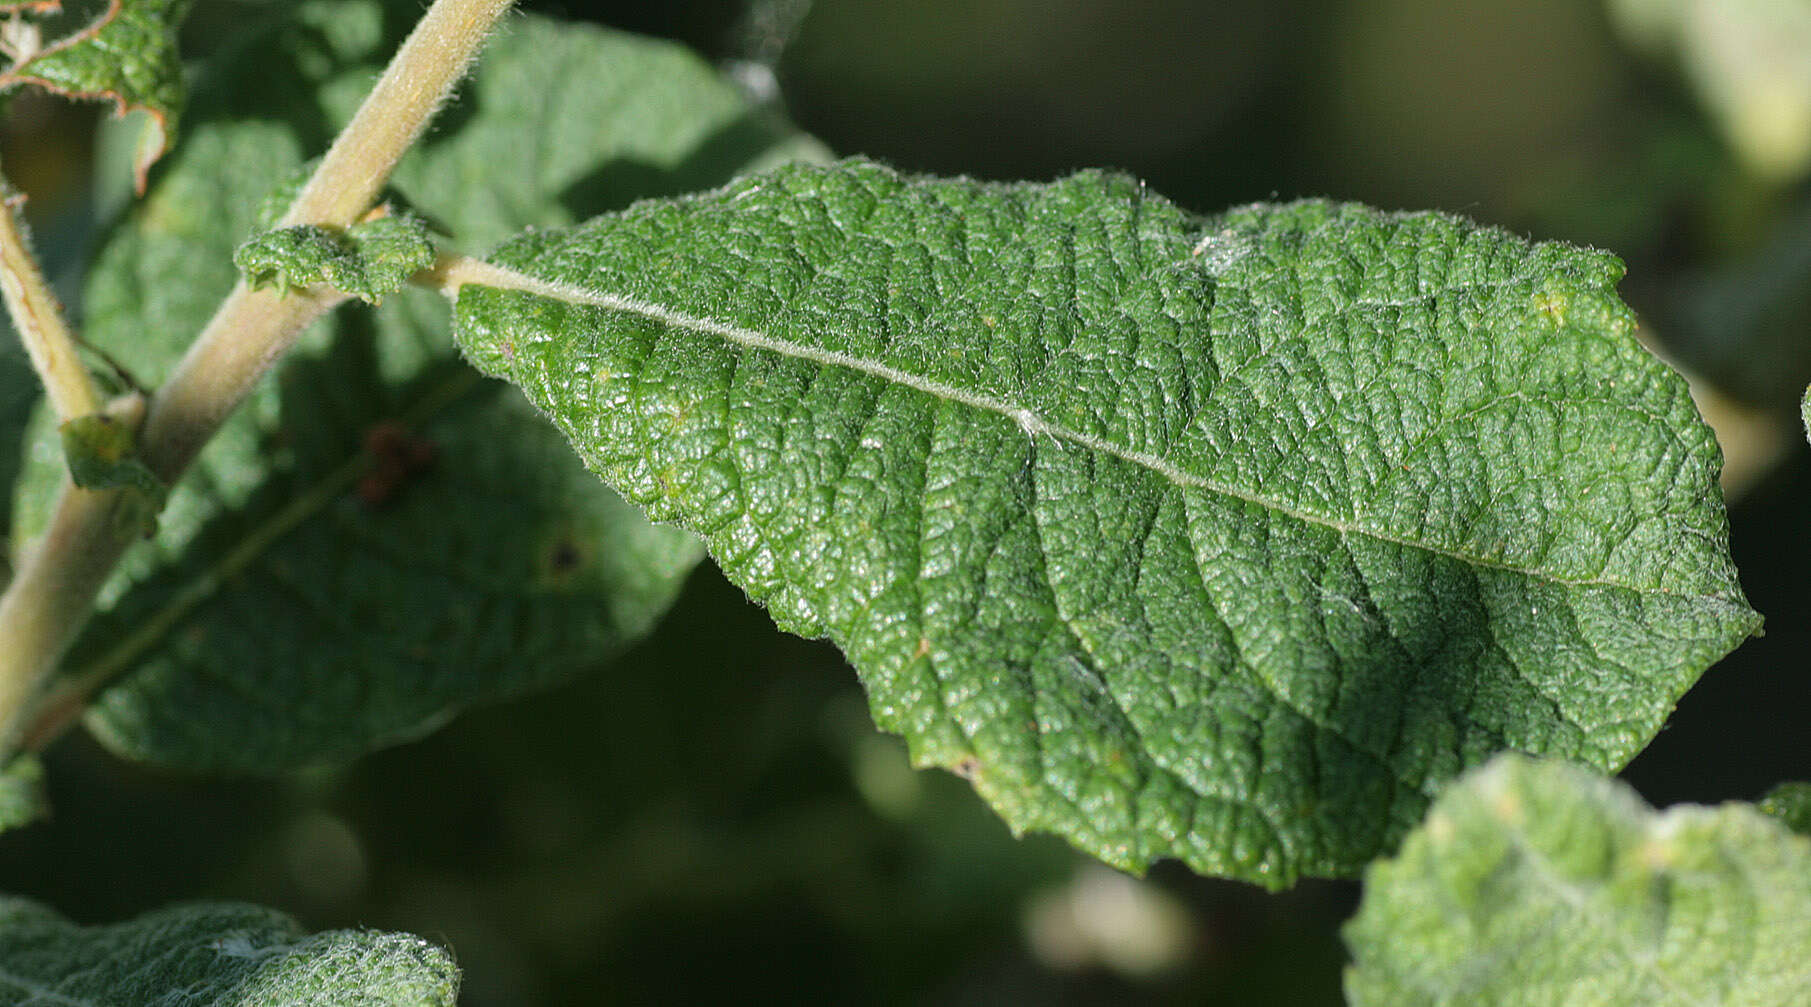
x=1536, y=883
x=1225, y=538
x=213, y=953
x=123, y=51
x=367, y=260
x=380, y=537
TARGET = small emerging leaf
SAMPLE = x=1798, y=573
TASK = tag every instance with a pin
x=367, y=260
x=102, y=452
x=1536, y=883
x=214, y=953
x=125, y=54
x=1219, y=538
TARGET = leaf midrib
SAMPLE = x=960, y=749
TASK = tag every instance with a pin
x=505, y=278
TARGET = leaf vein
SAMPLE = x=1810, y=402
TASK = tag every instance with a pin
x=503, y=278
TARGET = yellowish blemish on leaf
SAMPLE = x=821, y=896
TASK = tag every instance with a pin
x=1553, y=304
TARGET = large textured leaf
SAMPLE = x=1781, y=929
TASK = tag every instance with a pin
x=1536, y=883
x=219, y=953
x=123, y=51
x=313, y=591
x=1219, y=538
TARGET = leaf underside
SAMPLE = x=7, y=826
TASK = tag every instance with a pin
x=379, y=537
x=1226, y=539
x=213, y=953
x=1534, y=883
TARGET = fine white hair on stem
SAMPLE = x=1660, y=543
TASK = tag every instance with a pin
x=418, y=80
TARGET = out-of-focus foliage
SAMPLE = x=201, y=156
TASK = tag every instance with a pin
x=215, y=953
x=1749, y=62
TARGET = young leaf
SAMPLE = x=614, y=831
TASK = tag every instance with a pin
x=1540, y=883
x=101, y=450
x=1226, y=539
x=125, y=54
x=367, y=260
x=214, y=953
x=316, y=586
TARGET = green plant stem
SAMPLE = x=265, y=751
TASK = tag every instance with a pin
x=39, y=318
x=54, y=591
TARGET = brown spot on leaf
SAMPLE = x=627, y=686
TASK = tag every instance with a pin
x=562, y=558
x=393, y=455
x=968, y=767
x=565, y=558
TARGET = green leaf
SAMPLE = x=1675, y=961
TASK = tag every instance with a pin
x=1804, y=412
x=317, y=586
x=213, y=953
x=367, y=260
x=102, y=452
x=124, y=52
x=1540, y=883
x=1225, y=539
x=1790, y=803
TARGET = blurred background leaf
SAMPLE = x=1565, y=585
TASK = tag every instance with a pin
x=580, y=847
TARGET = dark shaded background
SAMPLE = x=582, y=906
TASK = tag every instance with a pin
x=715, y=817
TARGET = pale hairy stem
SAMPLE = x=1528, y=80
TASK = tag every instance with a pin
x=247, y=336
x=70, y=561
x=418, y=79
x=39, y=318
x=54, y=590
